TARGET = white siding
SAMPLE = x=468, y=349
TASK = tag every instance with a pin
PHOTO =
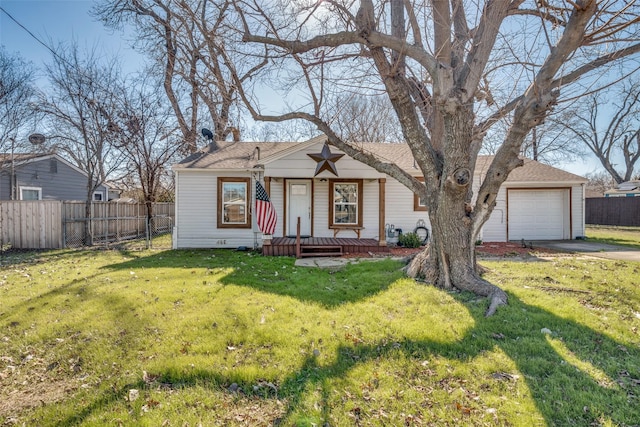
x=369, y=214
x=299, y=165
x=277, y=199
x=370, y=210
x=321, y=209
x=495, y=229
x=399, y=208
x=577, y=206
x=196, y=223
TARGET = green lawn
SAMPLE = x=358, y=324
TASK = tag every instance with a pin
x=625, y=236
x=230, y=338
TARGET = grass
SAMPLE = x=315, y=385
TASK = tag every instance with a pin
x=233, y=338
x=625, y=236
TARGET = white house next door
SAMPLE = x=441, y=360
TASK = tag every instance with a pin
x=299, y=206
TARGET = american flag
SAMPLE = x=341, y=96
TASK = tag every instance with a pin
x=265, y=212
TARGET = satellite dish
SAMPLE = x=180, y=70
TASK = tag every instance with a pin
x=207, y=134
x=37, y=138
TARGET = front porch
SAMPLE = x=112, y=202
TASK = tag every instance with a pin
x=321, y=246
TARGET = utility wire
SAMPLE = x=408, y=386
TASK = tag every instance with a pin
x=32, y=35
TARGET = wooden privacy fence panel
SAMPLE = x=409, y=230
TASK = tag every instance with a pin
x=31, y=224
x=621, y=211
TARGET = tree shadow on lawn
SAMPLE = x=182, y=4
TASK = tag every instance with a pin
x=575, y=375
x=278, y=275
x=557, y=376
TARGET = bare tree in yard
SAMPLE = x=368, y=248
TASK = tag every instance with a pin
x=548, y=143
x=81, y=105
x=188, y=42
x=439, y=63
x=611, y=130
x=599, y=182
x=147, y=135
x=17, y=92
x=362, y=118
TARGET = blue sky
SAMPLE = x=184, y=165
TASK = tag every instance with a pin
x=54, y=21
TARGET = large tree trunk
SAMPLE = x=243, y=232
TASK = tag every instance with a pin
x=449, y=261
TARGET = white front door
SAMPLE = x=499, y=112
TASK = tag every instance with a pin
x=299, y=202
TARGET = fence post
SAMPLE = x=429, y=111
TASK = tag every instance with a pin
x=148, y=234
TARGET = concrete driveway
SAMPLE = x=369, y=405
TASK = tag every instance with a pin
x=600, y=250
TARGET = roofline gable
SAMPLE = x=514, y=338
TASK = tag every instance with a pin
x=290, y=150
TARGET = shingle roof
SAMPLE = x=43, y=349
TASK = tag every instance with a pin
x=233, y=155
x=21, y=157
x=244, y=155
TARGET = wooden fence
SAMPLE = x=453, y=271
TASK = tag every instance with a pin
x=59, y=224
x=621, y=211
x=31, y=224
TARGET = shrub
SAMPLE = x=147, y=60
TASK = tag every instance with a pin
x=409, y=240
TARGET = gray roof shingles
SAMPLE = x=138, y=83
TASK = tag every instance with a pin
x=244, y=156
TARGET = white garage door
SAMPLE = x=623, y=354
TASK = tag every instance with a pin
x=537, y=214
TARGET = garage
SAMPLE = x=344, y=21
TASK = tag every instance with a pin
x=541, y=214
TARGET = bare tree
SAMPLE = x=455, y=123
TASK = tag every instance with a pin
x=190, y=42
x=440, y=64
x=362, y=118
x=148, y=137
x=81, y=105
x=611, y=130
x=17, y=92
x=599, y=182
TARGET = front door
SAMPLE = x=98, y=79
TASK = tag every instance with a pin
x=299, y=202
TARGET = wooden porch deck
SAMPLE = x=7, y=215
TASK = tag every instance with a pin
x=321, y=246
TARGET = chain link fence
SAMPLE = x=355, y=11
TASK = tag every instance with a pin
x=117, y=226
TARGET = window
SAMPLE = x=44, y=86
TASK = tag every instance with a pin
x=30, y=193
x=233, y=203
x=419, y=204
x=345, y=204
x=98, y=196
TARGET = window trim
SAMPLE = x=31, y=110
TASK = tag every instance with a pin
x=38, y=189
x=417, y=207
x=101, y=193
x=220, y=210
x=360, y=188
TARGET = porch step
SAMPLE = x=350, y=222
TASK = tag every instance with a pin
x=320, y=251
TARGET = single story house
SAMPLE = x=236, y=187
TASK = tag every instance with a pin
x=44, y=177
x=337, y=196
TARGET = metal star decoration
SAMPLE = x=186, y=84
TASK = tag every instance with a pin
x=326, y=160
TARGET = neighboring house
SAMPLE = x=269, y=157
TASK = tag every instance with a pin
x=215, y=192
x=625, y=189
x=44, y=177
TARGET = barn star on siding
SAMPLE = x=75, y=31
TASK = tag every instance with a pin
x=326, y=160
